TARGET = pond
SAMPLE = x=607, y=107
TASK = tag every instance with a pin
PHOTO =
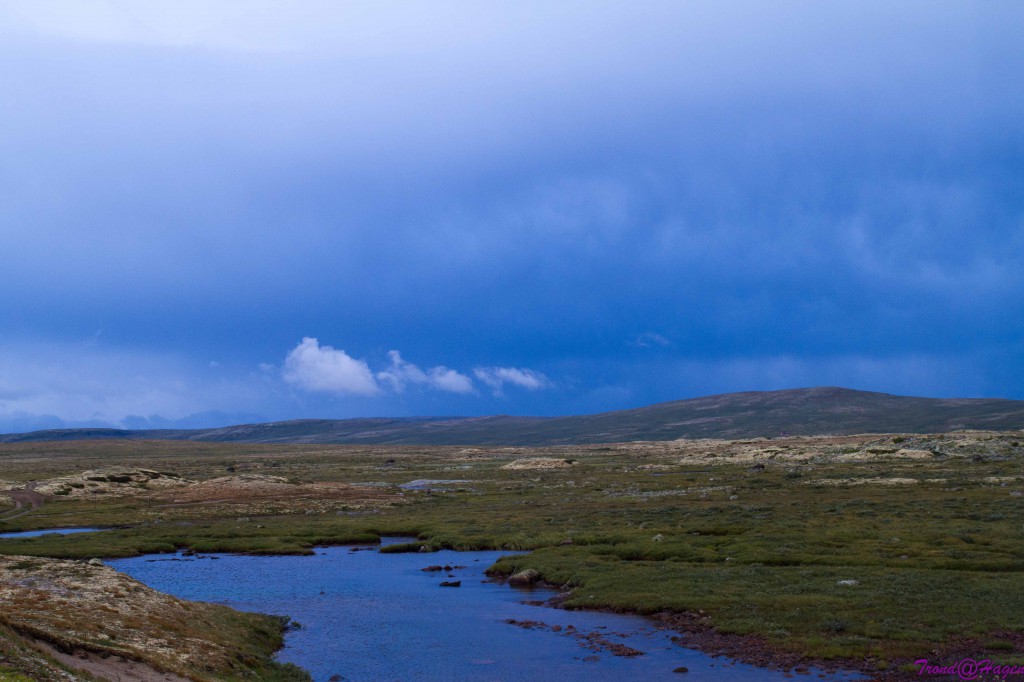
x=48, y=531
x=365, y=615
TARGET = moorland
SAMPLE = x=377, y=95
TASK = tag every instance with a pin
x=863, y=551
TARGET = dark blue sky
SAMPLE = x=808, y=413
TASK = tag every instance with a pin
x=211, y=215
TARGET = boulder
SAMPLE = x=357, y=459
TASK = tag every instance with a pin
x=524, y=578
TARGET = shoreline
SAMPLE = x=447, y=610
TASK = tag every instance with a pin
x=700, y=635
x=697, y=632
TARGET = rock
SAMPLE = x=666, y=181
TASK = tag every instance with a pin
x=431, y=569
x=95, y=562
x=658, y=538
x=734, y=497
x=452, y=583
x=848, y=582
x=681, y=669
x=540, y=463
x=617, y=649
x=524, y=578
x=335, y=678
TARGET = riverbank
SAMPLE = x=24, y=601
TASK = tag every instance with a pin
x=87, y=617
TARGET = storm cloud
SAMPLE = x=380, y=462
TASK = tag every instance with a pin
x=637, y=202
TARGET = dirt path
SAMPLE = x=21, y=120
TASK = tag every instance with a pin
x=25, y=500
x=115, y=668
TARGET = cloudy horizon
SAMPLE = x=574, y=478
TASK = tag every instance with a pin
x=240, y=211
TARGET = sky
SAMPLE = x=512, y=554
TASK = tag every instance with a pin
x=214, y=213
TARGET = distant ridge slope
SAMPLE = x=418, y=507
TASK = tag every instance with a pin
x=802, y=411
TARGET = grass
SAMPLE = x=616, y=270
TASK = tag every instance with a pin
x=889, y=613
x=759, y=549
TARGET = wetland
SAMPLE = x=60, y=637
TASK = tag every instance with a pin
x=851, y=552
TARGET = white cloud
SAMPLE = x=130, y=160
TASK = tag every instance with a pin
x=70, y=385
x=498, y=377
x=651, y=339
x=449, y=380
x=402, y=373
x=313, y=367
x=317, y=368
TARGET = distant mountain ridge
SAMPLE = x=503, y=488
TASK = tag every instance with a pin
x=802, y=411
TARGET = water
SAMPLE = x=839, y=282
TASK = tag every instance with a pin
x=371, y=616
x=48, y=531
x=430, y=484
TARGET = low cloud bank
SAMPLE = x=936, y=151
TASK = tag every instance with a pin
x=80, y=385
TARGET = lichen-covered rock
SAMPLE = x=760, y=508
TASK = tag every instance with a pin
x=524, y=578
x=116, y=482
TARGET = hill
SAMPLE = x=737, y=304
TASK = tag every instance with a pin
x=804, y=411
